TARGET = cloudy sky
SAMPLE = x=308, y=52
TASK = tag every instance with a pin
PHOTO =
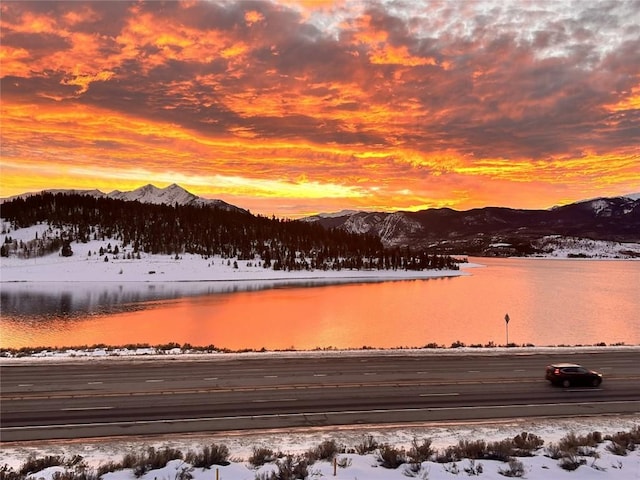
x=295, y=107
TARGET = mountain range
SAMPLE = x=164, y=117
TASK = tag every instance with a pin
x=147, y=194
x=494, y=230
x=480, y=231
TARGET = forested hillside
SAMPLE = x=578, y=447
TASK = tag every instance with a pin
x=202, y=230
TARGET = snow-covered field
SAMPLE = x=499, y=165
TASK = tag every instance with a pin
x=600, y=464
x=87, y=265
x=556, y=246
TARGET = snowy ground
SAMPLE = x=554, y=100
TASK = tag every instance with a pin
x=556, y=246
x=87, y=265
x=603, y=466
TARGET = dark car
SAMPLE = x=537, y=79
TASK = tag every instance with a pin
x=571, y=374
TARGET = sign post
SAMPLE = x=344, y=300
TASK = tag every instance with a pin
x=506, y=321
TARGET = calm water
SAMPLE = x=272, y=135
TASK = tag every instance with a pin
x=549, y=302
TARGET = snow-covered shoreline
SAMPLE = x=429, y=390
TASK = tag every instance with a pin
x=99, y=261
x=153, y=354
x=102, y=261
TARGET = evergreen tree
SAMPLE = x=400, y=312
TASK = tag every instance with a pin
x=66, y=249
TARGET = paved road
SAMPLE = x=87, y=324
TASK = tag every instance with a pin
x=73, y=399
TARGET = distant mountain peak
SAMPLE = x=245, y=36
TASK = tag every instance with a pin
x=170, y=195
x=149, y=193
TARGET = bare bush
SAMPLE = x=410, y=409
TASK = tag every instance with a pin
x=515, y=469
x=34, y=464
x=368, y=445
x=261, y=456
x=288, y=468
x=391, y=457
x=8, y=473
x=474, y=470
x=526, y=443
x=571, y=462
x=448, y=455
x=150, y=459
x=420, y=452
x=554, y=451
x=209, y=456
x=327, y=450
x=572, y=442
x=472, y=449
x=501, y=450
x=617, y=449
x=75, y=475
x=624, y=440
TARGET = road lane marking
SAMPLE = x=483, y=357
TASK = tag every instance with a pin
x=154, y=381
x=473, y=371
x=453, y=394
x=25, y=384
x=76, y=409
x=94, y=383
x=211, y=378
x=263, y=400
x=319, y=374
x=271, y=376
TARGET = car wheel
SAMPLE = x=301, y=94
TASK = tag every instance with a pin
x=566, y=383
x=596, y=382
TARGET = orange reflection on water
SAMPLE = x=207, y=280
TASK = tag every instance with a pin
x=550, y=302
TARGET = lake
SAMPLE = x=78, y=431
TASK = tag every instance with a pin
x=549, y=302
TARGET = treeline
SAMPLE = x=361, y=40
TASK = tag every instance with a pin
x=202, y=230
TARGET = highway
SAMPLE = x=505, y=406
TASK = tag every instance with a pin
x=82, y=398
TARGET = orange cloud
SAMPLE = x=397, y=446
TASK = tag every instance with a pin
x=296, y=107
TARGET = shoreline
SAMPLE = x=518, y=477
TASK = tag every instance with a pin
x=187, y=268
x=150, y=353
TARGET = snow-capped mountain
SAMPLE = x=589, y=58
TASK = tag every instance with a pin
x=171, y=195
x=151, y=194
x=478, y=231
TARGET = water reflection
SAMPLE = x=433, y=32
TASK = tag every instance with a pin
x=50, y=300
x=550, y=302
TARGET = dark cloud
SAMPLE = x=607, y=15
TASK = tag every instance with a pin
x=478, y=83
x=38, y=44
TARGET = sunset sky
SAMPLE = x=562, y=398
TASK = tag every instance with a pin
x=294, y=107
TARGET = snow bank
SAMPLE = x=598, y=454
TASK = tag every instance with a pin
x=602, y=466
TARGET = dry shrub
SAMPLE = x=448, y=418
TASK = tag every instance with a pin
x=526, y=443
x=261, y=456
x=327, y=450
x=368, y=445
x=515, y=469
x=210, y=455
x=391, y=457
x=420, y=452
